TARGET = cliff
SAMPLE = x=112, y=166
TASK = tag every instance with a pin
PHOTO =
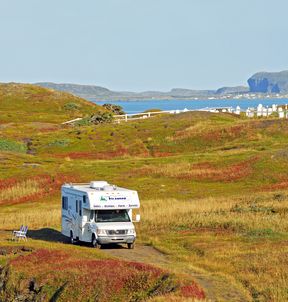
x=269, y=82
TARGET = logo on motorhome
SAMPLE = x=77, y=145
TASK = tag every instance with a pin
x=112, y=198
x=117, y=198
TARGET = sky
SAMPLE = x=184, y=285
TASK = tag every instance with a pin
x=142, y=44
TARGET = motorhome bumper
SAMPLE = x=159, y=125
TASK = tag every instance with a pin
x=122, y=239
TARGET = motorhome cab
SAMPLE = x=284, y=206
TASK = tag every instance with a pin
x=99, y=213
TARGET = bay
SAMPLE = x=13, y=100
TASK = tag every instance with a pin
x=144, y=105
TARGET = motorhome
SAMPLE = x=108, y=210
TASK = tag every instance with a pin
x=99, y=213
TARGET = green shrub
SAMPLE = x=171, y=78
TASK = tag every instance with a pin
x=84, y=122
x=101, y=117
x=71, y=106
x=9, y=145
x=152, y=110
x=262, y=233
x=59, y=143
x=115, y=109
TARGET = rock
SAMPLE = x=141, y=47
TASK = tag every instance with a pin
x=269, y=82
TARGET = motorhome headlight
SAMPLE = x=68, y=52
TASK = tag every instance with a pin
x=101, y=232
x=130, y=231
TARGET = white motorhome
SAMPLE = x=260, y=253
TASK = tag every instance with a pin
x=99, y=213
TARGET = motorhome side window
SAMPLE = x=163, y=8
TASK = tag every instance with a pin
x=80, y=207
x=91, y=215
x=64, y=202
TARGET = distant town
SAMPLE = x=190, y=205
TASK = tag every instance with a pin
x=252, y=96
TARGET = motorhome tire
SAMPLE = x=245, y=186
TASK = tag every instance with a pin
x=130, y=246
x=72, y=241
x=94, y=242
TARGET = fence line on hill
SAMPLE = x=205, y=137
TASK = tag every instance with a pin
x=144, y=115
x=259, y=111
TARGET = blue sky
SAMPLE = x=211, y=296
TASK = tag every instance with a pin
x=142, y=44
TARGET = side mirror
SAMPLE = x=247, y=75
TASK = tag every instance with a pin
x=137, y=218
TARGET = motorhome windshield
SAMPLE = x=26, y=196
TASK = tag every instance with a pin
x=111, y=216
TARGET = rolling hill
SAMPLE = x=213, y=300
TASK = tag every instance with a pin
x=261, y=82
x=214, y=200
x=101, y=93
x=30, y=103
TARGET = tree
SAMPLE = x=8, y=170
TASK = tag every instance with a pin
x=115, y=109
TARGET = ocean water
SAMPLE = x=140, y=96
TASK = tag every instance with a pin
x=143, y=105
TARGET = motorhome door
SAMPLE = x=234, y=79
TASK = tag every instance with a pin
x=79, y=213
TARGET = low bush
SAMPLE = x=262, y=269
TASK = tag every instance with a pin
x=60, y=143
x=101, y=117
x=72, y=106
x=96, y=118
x=13, y=146
x=115, y=109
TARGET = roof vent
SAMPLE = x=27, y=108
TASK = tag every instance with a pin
x=98, y=185
x=109, y=188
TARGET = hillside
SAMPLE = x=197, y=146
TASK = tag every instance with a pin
x=101, y=93
x=269, y=82
x=30, y=103
x=261, y=82
x=232, y=90
x=214, y=207
x=76, y=89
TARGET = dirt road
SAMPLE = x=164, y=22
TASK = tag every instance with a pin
x=216, y=289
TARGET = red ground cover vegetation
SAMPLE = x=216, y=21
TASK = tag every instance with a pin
x=216, y=135
x=85, y=276
x=162, y=154
x=59, y=260
x=203, y=171
x=233, y=132
x=281, y=185
x=95, y=155
x=105, y=278
x=231, y=173
x=192, y=290
x=48, y=185
x=119, y=153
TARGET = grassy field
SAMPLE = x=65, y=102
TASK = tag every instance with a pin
x=214, y=193
x=29, y=103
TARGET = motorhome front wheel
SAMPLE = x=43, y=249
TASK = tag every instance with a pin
x=131, y=246
x=94, y=242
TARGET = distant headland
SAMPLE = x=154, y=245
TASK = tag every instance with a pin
x=260, y=85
